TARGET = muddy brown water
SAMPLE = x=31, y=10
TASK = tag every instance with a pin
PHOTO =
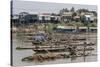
x=19, y=54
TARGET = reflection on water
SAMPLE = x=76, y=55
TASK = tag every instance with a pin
x=19, y=54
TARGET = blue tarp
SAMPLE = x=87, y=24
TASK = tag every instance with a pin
x=40, y=37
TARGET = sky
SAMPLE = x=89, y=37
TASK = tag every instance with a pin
x=45, y=7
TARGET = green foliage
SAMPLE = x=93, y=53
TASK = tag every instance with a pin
x=92, y=24
x=72, y=9
x=82, y=10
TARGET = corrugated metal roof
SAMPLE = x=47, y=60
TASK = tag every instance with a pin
x=83, y=27
x=67, y=27
x=92, y=27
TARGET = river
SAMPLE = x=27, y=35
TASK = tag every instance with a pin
x=19, y=54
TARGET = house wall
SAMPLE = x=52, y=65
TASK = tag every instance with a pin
x=31, y=18
x=66, y=18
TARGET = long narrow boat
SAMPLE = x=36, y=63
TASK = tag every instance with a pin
x=46, y=50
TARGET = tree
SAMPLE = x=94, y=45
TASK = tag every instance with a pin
x=82, y=10
x=94, y=12
x=72, y=9
x=74, y=14
x=64, y=10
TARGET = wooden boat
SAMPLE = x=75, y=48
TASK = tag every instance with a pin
x=63, y=49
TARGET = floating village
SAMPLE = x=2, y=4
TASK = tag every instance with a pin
x=52, y=36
